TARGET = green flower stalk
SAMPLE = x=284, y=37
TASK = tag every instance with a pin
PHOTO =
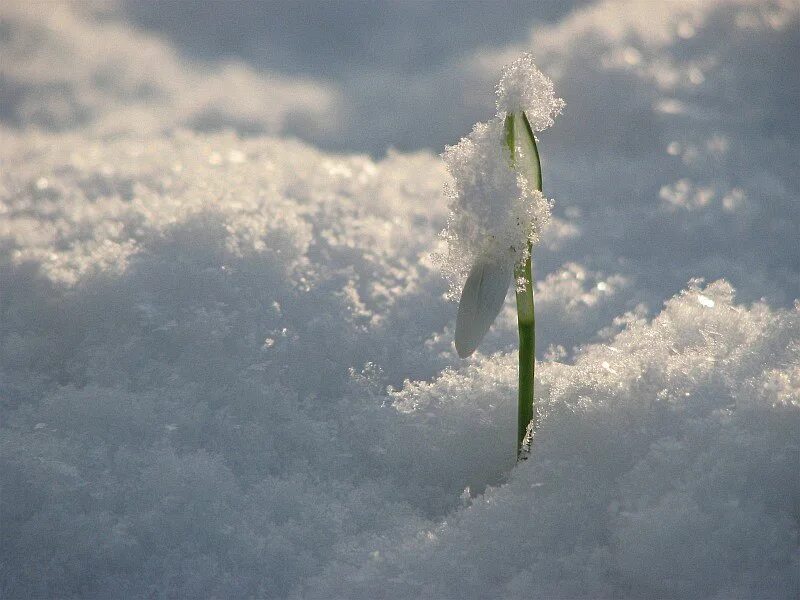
x=497, y=212
x=519, y=134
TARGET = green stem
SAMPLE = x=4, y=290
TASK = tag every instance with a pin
x=518, y=129
x=526, y=322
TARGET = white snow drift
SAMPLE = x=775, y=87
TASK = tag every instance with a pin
x=197, y=332
x=197, y=335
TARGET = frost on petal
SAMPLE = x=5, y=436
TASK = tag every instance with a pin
x=494, y=211
x=481, y=301
x=523, y=87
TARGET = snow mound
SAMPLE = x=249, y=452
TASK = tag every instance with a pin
x=68, y=67
x=198, y=333
x=226, y=364
x=665, y=465
x=187, y=329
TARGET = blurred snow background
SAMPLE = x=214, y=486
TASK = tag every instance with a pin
x=216, y=228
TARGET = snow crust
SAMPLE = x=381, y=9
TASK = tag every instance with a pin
x=226, y=364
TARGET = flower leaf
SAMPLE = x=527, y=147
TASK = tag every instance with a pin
x=525, y=153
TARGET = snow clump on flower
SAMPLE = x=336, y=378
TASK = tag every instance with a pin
x=523, y=87
x=494, y=210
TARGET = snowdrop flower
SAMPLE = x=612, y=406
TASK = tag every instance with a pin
x=497, y=210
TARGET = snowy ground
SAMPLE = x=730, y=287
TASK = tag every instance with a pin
x=226, y=363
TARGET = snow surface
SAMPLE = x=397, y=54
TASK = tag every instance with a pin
x=198, y=326
x=61, y=69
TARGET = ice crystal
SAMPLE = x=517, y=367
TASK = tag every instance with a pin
x=523, y=87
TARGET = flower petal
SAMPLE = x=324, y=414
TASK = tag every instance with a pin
x=481, y=300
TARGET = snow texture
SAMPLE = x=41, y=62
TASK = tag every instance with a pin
x=523, y=87
x=226, y=364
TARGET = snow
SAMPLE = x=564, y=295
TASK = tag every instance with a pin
x=226, y=363
x=62, y=68
x=494, y=210
x=670, y=473
x=523, y=87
